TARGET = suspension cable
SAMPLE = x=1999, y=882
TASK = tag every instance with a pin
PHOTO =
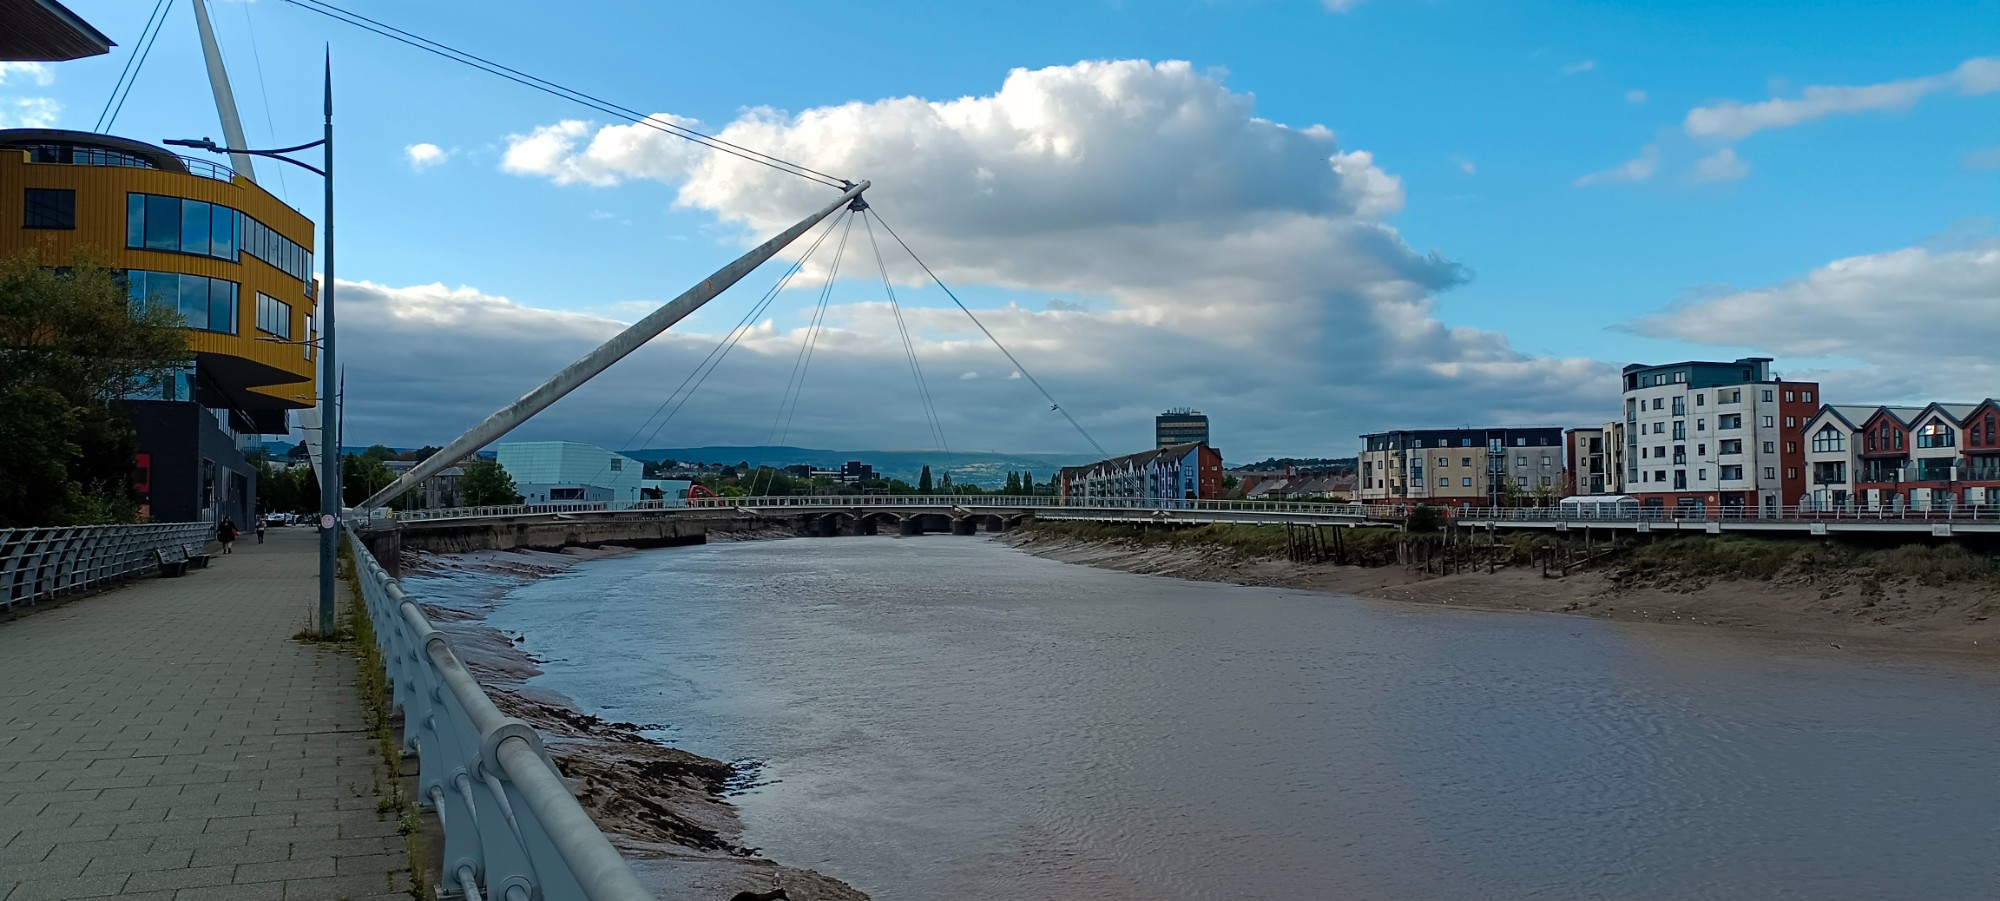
x=264, y=93
x=909, y=346
x=1023, y=370
x=803, y=365
x=557, y=90
x=130, y=76
x=720, y=351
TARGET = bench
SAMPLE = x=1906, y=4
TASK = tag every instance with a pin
x=171, y=566
x=196, y=557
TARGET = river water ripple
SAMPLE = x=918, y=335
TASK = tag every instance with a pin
x=944, y=718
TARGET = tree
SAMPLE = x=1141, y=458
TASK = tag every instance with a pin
x=1423, y=519
x=1013, y=484
x=361, y=476
x=419, y=455
x=487, y=484
x=378, y=453
x=71, y=348
x=924, y=481
x=945, y=486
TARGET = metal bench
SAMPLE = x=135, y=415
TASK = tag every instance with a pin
x=196, y=557
x=171, y=566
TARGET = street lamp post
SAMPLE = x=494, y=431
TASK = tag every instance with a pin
x=329, y=467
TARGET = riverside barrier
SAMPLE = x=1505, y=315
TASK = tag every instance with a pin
x=39, y=565
x=512, y=829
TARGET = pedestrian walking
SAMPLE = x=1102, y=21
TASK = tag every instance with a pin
x=260, y=530
x=226, y=533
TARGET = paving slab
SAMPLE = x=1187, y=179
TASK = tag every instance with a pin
x=168, y=738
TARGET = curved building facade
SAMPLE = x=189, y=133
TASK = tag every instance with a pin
x=234, y=261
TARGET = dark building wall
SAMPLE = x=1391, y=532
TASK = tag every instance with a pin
x=181, y=439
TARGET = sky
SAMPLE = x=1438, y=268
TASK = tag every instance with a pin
x=1307, y=218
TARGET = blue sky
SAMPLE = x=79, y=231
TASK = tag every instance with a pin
x=1488, y=114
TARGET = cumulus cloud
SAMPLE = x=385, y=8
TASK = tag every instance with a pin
x=425, y=156
x=1918, y=320
x=1638, y=168
x=1243, y=264
x=1732, y=120
x=17, y=72
x=1723, y=165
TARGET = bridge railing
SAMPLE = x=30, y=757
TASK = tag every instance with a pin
x=1966, y=513
x=512, y=829
x=945, y=501
x=37, y=565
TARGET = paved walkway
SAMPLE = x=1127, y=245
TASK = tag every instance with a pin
x=167, y=739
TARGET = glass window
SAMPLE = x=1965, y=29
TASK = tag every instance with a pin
x=163, y=223
x=1444, y=482
x=1701, y=400
x=1767, y=395
x=222, y=234
x=193, y=294
x=222, y=306
x=1805, y=396
x=1770, y=422
x=1465, y=483
x=196, y=223
x=1828, y=438
x=49, y=208
x=135, y=220
x=1770, y=472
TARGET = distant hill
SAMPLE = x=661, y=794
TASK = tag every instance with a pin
x=987, y=470
x=1334, y=463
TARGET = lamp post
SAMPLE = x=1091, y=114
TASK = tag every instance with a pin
x=329, y=479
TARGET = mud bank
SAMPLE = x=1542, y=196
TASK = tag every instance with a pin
x=1839, y=607
x=663, y=807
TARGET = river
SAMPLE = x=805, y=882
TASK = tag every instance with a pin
x=942, y=718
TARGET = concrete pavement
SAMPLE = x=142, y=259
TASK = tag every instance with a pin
x=168, y=740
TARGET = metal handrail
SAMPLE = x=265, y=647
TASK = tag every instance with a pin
x=510, y=823
x=938, y=501
x=1957, y=512
x=38, y=565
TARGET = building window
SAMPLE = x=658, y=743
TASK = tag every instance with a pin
x=1701, y=425
x=1545, y=461
x=1730, y=446
x=1642, y=452
x=1730, y=473
x=1731, y=397
x=1791, y=472
x=1770, y=422
x=1680, y=376
x=1465, y=483
x=1444, y=482
x=1680, y=480
x=1770, y=447
x=1680, y=430
x=1522, y=461
x=1464, y=442
x=1729, y=421
x=1701, y=450
x=617, y=464
x=1465, y=461
x=1520, y=442
x=1935, y=434
x=1701, y=475
x=155, y=222
x=1680, y=406
x=274, y=316
x=1659, y=403
x=1805, y=396
x=1767, y=395
x=1788, y=397
x=1701, y=400
x=204, y=303
x=49, y=208
x=1444, y=462
x=1770, y=472
x=1791, y=422
x=1828, y=439
x=1659, y=475
x=1659, y=428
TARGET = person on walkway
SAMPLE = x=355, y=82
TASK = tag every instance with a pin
x=226, y=533
x=260, y=530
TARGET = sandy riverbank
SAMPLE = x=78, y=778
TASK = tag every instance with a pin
x=1845, y=607
x=665, y=808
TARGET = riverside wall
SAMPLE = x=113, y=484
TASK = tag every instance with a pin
x=551, y=533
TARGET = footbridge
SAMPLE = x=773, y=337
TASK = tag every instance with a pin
x=907, y=514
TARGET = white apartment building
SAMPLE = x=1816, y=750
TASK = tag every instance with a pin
x=1712, y=434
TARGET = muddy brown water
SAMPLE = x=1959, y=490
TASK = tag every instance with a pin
x=943, y=718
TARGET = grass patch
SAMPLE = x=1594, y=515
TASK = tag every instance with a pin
x=1368, y=546
x=1931, y=565
x=371, y=683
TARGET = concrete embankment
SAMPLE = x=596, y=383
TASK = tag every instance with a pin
x=1937, y=597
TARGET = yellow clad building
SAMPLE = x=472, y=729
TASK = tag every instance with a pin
x=236, y=262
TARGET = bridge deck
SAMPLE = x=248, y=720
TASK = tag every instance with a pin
x=168, y=740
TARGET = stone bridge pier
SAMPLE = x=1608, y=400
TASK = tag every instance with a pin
x=854, y=522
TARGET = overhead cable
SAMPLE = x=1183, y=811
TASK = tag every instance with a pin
x=571, y=94
x=1023, y=370
x=909, y=345
x=130, y=75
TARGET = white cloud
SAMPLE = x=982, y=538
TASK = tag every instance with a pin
x=1983, y=158
x=1466, y=166
x=1205, y=232
x=1635, y=96
x=425, y=156
x=1339, y=6
x=39, y=73
x=1722, y=166
x=1580, y=67
x=1638, y=168
x=27, y=112
x=1919, y=321
x=1732, y=120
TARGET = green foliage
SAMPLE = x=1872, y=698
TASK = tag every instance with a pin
x=362, y=476
x=71, y=348
x=378, y=453
x=924, y=481
x=1725, y=556
x=1013, y=485
x=1424, y=519
x=487, y=484
x=1931, y=565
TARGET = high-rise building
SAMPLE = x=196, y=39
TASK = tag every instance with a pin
x=1460, y=467
x=1711, y=434
x=1179, y=426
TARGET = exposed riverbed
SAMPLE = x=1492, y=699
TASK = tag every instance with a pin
x=947, y=717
